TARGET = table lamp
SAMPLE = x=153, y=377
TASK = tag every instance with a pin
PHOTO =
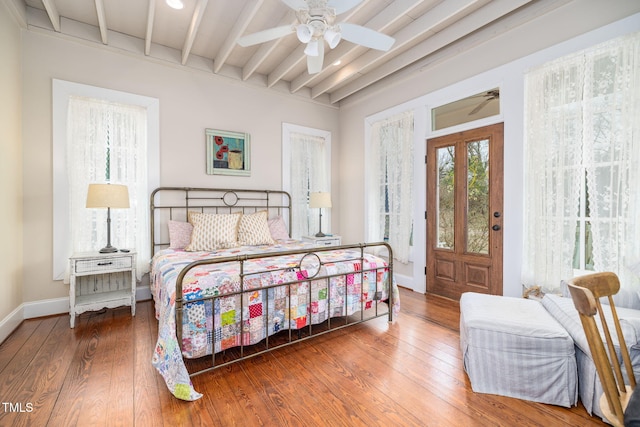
x=320, y=200
x=108, y=196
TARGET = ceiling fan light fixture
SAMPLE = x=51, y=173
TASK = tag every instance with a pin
x=312, y=48
x=304, y=33
x=175, y=4
x=332, y=37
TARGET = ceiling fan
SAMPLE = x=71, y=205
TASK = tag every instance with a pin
x=316, y=24
x=489, y=96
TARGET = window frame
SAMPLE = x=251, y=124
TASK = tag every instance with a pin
x=61, y=92
x=287, y=130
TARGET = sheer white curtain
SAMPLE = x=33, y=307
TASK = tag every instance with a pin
x=107, y=142
x=390, y=203
x=309, y=173
x=582, y=123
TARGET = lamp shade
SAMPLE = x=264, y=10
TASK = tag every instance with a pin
x=107, y=196
x=320, y=200
x=332, y=37
x=304, y=32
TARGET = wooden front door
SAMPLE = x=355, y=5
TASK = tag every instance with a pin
x=464, y=212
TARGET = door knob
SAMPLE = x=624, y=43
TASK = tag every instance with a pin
x=496, y=227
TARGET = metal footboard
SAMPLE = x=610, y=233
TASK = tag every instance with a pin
x=311, y=264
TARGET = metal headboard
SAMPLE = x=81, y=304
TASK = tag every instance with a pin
x=173, y=203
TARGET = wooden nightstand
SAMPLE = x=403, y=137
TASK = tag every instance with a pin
x=323, y=241
x=100, y=281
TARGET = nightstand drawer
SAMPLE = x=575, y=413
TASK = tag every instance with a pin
x=328, y=242
x=323, y=241
x=102, y=264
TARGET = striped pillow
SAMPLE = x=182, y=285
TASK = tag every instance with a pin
x=254, y=230
x=213, y=231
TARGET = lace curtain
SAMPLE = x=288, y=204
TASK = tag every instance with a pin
x=582, y=128
x=390, y=203
x=107, y=142
x=308, y=175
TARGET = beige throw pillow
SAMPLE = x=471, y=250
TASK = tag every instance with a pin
x=213, y=231
x=254, y=230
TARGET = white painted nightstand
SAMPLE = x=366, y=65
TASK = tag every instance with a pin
x=323, y=241
x=100, y=281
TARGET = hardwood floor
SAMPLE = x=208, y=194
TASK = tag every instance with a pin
x=408, y=373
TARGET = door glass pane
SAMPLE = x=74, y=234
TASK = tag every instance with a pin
x=478, y=197
x=446, y=198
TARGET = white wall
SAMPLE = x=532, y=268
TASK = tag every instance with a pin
x=11, y=220
x=466, y=74
x=190, y=101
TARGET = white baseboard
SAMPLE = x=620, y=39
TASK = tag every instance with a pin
x=48, y=307
x=11, y=322
x=404, y=280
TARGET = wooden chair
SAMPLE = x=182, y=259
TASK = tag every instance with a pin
x=586, y=292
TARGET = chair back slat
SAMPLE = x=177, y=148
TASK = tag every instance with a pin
x=586, y=292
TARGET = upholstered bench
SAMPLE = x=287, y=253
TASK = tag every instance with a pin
x=513, y=347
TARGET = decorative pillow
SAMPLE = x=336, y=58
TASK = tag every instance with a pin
x=278, y=228
x=213, y=231
x=179, y=234
x=254, y=230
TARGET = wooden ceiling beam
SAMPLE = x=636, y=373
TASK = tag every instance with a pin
x=52, y=11
x=102, y=21
x=196, y=18
x=151, y=13
x=453, y=32
x=247, y=14
x=265, y=50
x=430, y=22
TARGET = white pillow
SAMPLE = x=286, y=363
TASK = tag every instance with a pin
x=278, y=228
x=179, y=234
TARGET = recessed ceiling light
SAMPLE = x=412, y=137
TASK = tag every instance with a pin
x=176, y=4
x=338, y=62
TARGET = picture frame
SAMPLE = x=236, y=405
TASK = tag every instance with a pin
x=228, y=153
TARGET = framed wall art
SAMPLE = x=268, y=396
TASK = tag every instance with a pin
x=228, y=153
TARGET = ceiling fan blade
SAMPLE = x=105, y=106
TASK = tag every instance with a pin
x=265, y=36
x=480, y=106
x=296, y=4
x=341, y=6
x=314, y=63
x=365, y=37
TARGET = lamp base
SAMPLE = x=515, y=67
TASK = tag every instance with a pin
x=108, y=250
x=320, y=234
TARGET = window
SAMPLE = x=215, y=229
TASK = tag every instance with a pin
x=102, y=136
x=582, y=166
x=306, y=163
x=389, y=171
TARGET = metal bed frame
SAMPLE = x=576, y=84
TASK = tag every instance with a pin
x=173, y=203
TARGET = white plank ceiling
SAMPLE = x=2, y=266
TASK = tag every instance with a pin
x=203, y=35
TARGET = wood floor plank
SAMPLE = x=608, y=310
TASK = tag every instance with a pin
x=10, y=348
x=24, y=346
x=406, y=373
x=146, y=409
x=42, y=378
x=74, y=389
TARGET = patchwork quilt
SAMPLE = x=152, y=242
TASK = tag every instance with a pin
x=261, y=309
